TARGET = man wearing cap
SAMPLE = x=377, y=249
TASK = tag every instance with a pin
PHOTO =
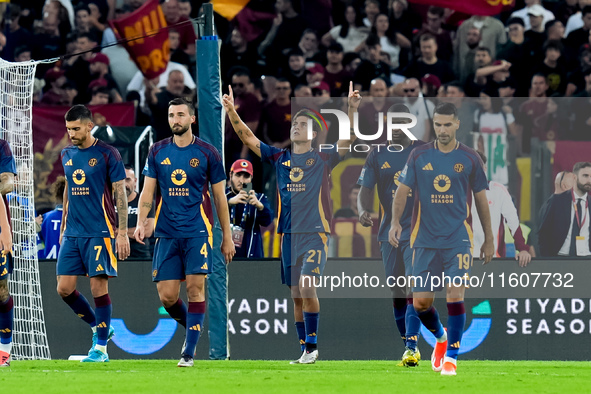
x=99, y=69
x=536, y=33
x=55, y=95
x=249, y=211
x=534, y=6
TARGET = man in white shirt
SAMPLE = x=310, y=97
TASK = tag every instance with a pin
x=564, y=223
x=420, y=107
x=502, y=210
x=524, y=12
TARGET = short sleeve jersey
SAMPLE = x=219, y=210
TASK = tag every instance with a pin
x=443, y=184
x=183, y=174
x=303, y=181
x=90, y=174
x=383, y=167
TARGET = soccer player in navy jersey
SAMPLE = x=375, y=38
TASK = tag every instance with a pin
x=183, y=166
x=442, y=174
x=305, y=211
x=383, y=167
x=94, y=175
x=7, y=173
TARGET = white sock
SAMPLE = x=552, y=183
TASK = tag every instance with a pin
x=6, y=347
x=93, y=328
x=101, y=348
x=442, y=338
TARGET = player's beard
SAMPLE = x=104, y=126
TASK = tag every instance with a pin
x=179, y=131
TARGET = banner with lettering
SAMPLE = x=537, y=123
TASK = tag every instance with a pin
x=148, y=46
x=50, y=137
x=472, y=7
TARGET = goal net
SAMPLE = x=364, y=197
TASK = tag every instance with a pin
x=16, y=99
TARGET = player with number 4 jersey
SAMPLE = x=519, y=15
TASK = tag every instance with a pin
x=183, y=166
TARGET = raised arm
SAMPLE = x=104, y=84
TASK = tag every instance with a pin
x=145, y=206
x=244, y=133
x=353, y=100
x=221, y=206
x=122, y=241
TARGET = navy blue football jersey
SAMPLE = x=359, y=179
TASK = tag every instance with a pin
x=443, y=184
x=183, y=174
x=383, y=168
x=304, y=188
x=90, y=174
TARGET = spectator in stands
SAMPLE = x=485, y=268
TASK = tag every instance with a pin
x=64, y=12
x=465, y=65
x=564, y=10
x=575, y=77
x=158, y=102
x=419, y=107
x=51, y=222
x=99, y=69
x=493, y=74
x=350, y=211
x=137, y=250
x=435, y=19
x=296, y=68
x=248, y=108
x=553, y=68
x=372, y=9
x=22, y=54
x=79, y=71
x=69, y=93
x=533, y=108
x=182, y=24
x=276, y=116
x=16, y=36
x=565, y=180
x=350, y=34
x=520, y=52
x=430, y=85
x=390, y=40
x=564, y=219
x=403, y=19
x=536, y=33
x=535, y=6
x=369, y=119
x=454, y=93
x=334, y=73
x=285, y=33
x=238, y=53
x=48, y=43
x=302, y=91
x=249, y=211
x=137, y=82
x=580, y=36
x=82, y=18
x=372, y=67
x=314, y=74
x=575, y=21
x=309, y=44
x=492, y=36
x=99, y=95
x=176, y=53
x=54, y=78
x=429, y=63
x=185, y=10
x=555, y=31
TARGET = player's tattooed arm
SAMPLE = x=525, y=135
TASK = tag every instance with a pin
x=6, y=183
x=121, y=201
x=242, y=130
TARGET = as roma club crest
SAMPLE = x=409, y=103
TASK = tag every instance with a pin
x=194, y=162
x=92, y=162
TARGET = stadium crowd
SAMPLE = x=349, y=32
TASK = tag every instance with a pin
x=520, y=75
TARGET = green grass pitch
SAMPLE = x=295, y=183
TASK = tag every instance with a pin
x=163, y=376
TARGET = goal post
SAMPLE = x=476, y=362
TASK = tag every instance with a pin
x=16, y=100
